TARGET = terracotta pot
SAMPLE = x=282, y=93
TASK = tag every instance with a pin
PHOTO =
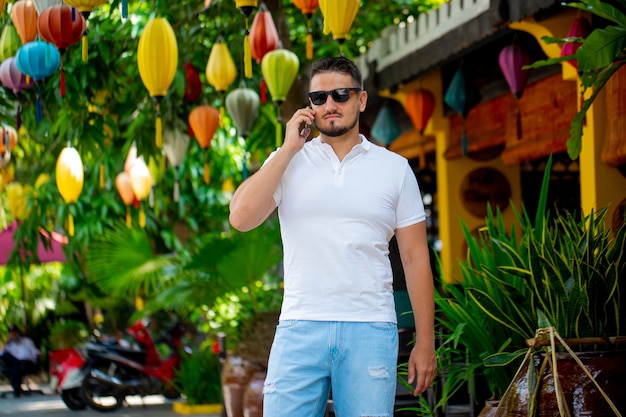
x=253, y=397
x=235, y=376
x=581, y=394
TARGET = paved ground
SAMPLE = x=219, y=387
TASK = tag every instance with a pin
x=49, y=404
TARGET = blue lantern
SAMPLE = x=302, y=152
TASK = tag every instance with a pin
x=38, y=60
x=385, y=128
x=462, y=97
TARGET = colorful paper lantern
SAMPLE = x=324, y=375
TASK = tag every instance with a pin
x=70, y=179
x=280, y=68
x=39, y=60
x=385, y=128
x=62, y=26
x=9, y=42
x=141, y=183
x=17, y=200
x=512, y=59
x=246, y=7
x=308, y=8
x=263, y=39
x=193, y=84
x=263, y=34
x=24, y=17
x=420, y=105
x=220, y=69
x=243, y=106
x=8, y=141
x=175, y=145
x=204, y=121
x=338, y=18
x=157, y=57
x=85, y=7
x=580, y=29
x=42, y=5
x=462, y=97
x=122, y=183
x=13, y=79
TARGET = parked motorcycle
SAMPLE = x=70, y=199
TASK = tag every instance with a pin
x=110, y=376
x=66, y=376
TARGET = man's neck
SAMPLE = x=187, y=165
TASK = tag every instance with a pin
x=342, y=145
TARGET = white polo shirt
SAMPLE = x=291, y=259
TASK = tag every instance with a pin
x=336, y=221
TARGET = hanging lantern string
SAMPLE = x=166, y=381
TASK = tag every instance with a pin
x=279, y=126
x=124, y=9
x=207, y=170
x=247, y=53
x=39, y=109
x=84, y=41
x=158, y=124
x=309, y=37
x=129, y=221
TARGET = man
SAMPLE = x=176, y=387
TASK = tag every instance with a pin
x=340, y=200
x=19, y=355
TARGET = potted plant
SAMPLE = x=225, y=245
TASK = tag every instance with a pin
x=552, y=285
x=198, y=380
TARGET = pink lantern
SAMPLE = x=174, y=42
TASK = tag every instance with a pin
x=580, y=29
x=512, y=59
x=13, y=79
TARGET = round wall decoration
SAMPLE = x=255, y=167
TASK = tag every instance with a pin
x=482, y=186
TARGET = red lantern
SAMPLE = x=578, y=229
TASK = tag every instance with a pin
x=263, y=34
x=420, y=105
x=308, y=7
x=204, y=121
x=580, y=29
x=193, y=84
x=62, y=26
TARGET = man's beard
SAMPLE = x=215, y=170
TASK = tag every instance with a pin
x=336, y=131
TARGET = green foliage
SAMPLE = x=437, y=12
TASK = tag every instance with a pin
x=65, y=334
x=599, y=56
x=198, y=377
x=559, y=272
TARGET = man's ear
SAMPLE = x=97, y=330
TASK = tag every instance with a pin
x=362, y=101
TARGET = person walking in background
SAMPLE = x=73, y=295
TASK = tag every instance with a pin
x=20, y=356
x=340, y=200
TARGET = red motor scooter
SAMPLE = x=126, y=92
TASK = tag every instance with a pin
x=66, y=376
x=110, y=376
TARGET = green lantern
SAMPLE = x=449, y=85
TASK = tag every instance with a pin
x=9, y=42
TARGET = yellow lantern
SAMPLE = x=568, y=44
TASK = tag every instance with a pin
x=17, y=197
x=141, y=183
x=157, y=57
x=246, y=7
x=85, y=7
x=338, y=18
x=280, y=68
x=220, y=68
x=70, y=179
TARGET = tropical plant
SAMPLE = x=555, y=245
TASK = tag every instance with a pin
x=198, y=377
x=558, y=272
x=598, y=57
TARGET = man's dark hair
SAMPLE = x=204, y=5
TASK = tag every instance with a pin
x=338, y=64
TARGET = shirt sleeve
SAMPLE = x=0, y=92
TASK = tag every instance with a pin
x=410, y=208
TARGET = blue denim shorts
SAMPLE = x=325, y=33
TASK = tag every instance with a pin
x=309, y=358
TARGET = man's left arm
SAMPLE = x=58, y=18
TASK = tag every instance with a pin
x=413, y=247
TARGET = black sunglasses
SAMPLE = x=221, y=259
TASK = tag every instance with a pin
x=339, y=95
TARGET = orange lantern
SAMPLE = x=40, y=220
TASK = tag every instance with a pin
x=8, y=139
x=204, y=121
x=246, y=7
x=338, y=18
x=122, y=183
x=141, y=183
x=24, y=17
x=308, y=8
x=85, y=7
x=420, y=105
x=70, y=179
x=157, y=57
